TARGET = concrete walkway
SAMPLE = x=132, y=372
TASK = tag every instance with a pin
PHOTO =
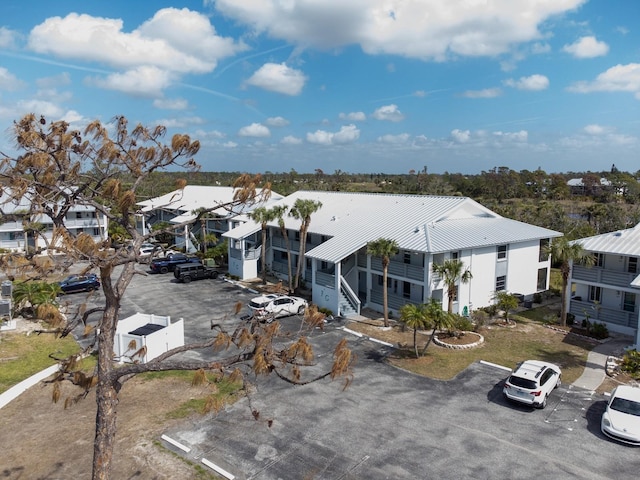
x=595, y=368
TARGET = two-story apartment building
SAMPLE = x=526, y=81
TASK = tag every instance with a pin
x=14, y=237
x=502, y=254
x=609, y=291
x=181, y=206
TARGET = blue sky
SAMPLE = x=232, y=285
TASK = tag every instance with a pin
x=385, y=86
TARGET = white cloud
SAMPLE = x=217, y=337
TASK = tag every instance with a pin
x=204, y=135
x=291, y=140
x=423, y=29
x=347, y=134
x=587, y=47
x=9, y=81
x=533, y=82
x=40, y=107
x=143, y=81
x=178, y=41
x=230, y=144
x=521, y=136
x=175, y=40
x=7, y=38
x=390, y=113
x=171, y=103
x=461, y=136
x=254, y=130
x=353, y=116
x=621, y=78
x=180, y=122
x=394, y=139
x=595, y=129
x=73, y=117
x=539, y=48
x=486, y=93
x=277, y=77
x=277, y=122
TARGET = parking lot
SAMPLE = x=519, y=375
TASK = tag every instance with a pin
x=388, y=423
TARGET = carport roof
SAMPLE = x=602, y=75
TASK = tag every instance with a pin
x=417, y=223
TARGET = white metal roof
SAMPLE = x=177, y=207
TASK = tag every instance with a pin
x=621, y=242
x=194, y=197
x=417, y=223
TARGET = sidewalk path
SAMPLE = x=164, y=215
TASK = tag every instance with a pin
x=595, y=368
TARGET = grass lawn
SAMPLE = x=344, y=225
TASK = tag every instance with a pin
x=22, y=356
x=506, y=346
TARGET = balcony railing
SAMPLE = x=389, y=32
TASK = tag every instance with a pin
x=399, y=269
x=601, y=275
x=598, y=313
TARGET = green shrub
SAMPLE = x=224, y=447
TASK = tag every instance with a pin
x=463, y=323
x=631, y=363
x=326, y=311
x=599, y=330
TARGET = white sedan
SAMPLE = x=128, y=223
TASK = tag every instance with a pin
x=621, y=418
x=272, y=306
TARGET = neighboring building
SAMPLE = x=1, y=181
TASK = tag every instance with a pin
x=179, y=206
x=502, y=254
x=577, y=186
x=608, y=292
x=79, y=219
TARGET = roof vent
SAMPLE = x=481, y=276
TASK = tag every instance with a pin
x=334, y=218
x=416, y=230
x=618, y=234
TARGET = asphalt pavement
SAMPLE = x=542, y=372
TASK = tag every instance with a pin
x=388, y=424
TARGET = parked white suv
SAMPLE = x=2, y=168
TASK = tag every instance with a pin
x=271, y=306
x=531, y=383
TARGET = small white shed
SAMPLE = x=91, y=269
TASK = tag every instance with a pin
x=155, y=332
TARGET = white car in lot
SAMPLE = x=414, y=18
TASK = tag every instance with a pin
x=621, y=418
x=532, y=382
x=272, y=306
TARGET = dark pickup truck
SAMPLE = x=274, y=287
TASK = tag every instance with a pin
x=168, y=263
x=193, y=271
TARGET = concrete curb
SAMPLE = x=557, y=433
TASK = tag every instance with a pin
x=17, y=390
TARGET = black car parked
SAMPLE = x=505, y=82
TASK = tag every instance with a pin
x=171, y=261
x=194, y=271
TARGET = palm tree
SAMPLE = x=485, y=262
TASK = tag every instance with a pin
x=451, y=271
x=279, y=212
x=263, y=216
x=384, y=248
x=413, y=316
x=302, y=210
x=564, y=252
x=505, y=301
x=436, y=319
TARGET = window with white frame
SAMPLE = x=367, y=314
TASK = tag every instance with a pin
x=595, y=294
x=501, y=252
x=598, y=259
x=629, y=302
x=501, y=283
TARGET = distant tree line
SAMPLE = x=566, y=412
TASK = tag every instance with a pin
x=534, y=197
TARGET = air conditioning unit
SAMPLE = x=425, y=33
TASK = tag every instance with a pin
x=7, y=288
x=5, y=308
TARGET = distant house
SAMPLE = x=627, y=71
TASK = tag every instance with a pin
x=502, y=254
x=14, y=237
x=609, y=292
x=578, y=186
x=179, y=206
